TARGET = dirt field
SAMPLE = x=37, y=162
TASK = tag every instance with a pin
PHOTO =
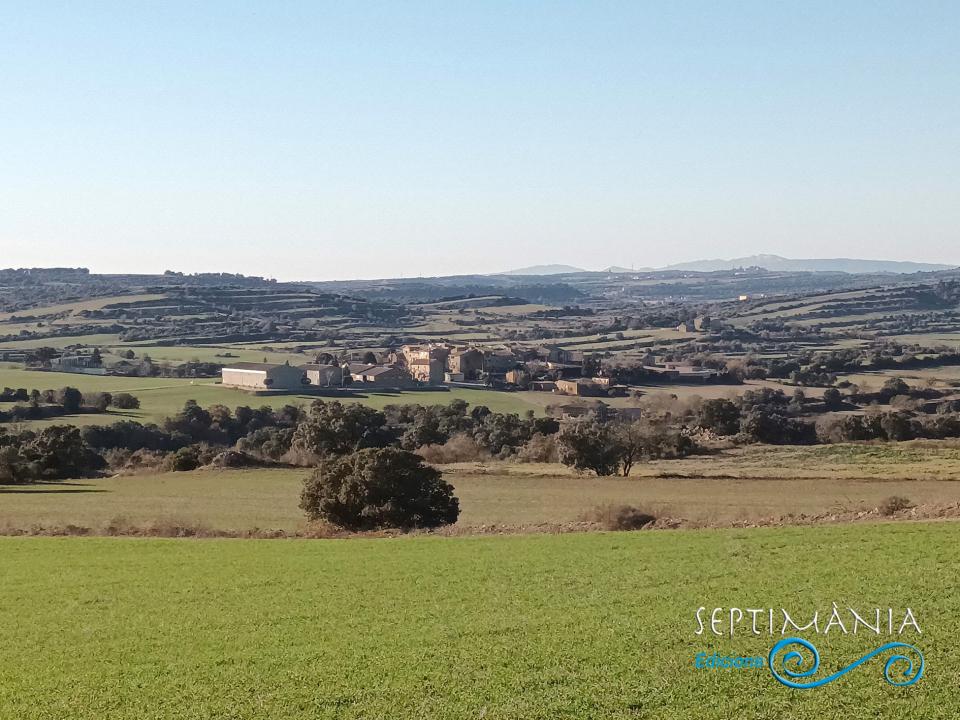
x=742, y=485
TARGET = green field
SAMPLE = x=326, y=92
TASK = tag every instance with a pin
x=162, y=397
x=566, y=626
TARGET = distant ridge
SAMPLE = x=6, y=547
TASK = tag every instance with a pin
x=544, y=270
x=768, y=262
x=776, y=262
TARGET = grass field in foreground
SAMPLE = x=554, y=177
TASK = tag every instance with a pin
x=747, y=484
x=567, y=626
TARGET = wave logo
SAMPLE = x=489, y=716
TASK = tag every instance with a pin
x=786, y=664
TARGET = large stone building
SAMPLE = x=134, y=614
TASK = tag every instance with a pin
x=466, y=362
x=426, y=363
x=430, y=351
x=499, y=361
x=263, y=377
x=427, y=370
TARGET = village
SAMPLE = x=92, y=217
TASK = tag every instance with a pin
x=441, y=366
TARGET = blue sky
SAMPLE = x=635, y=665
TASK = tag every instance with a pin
x=335, y=140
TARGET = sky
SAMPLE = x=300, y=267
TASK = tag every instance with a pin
x=313, y=140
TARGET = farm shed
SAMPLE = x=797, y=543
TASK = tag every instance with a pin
x=263, y=376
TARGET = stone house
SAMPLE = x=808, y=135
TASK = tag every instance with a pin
x=578, y=386
x=467, y=362
x=323, y=375
x=382, y=376
x=426, y=370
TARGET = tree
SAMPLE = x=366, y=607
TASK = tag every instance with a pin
x=719, y=416
x=95, y=358
x=832, y=399
x=766, y=425
x=501, y=430
x=125, y=401
x=896, y=426
x=893, y=386
x=99, y=400
x=59, y=452
x=370, y=358
x=644, y=441
x=590, y=445
x=333, y=428
x=424, y=431
x=70, y=398
x=379, y=488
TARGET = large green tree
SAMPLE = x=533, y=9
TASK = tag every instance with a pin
x=379, y=488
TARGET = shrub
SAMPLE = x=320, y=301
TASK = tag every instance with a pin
x=459, y=448
x=894, y=504
x=379, y=488
x=142, y=460
x=621, y=517
x=268, y=442
x=184, y=459
x=234, y=459
x=539, y=449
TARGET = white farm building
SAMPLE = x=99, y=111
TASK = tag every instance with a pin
x=263, y=376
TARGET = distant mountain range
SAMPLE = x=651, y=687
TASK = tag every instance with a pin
x=544, y=270
x=775, y=262
x=769, y=262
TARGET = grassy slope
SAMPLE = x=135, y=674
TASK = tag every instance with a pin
x=758, y=482
x=575, y=626
x=163, y=397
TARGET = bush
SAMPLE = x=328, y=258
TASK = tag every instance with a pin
x=122, y=460
x=379, y=488
x=234, y=459
x=622, y=517
x=539, y=449
x=271, y=443
x=459, y=448
x=894, y=504
x=183, y=460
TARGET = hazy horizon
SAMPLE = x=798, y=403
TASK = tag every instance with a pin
x=322, y=141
